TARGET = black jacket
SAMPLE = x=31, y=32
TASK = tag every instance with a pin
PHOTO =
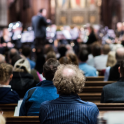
x=113, y=93
x=114, y=74
x=39, y=25
x=91, y=38
x=7, y=96
x=21, y=82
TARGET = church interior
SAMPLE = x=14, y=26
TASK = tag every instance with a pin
x=61, y=61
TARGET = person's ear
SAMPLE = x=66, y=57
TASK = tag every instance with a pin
x=11, y=76
x=119, y=69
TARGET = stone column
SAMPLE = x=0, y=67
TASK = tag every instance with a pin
x=3, y=13
x=122, y=10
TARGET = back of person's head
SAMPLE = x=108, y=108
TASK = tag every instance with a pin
x=26, y=51
x=69, y=79
x=41, y=10
x=6, y=70
x=83, y=55
x=120, y=54
x=96, y=49
x=13, y=52
x=65, y=60
x=2, y=58
x=62, y=50
x=2, y=120
x=73, y=58
x=111, y=61
x=15, y=59
x=106, y=49
x=48, y=48
x=51, y=54
x=50, y=68
x=22, y=65
x=122, y=68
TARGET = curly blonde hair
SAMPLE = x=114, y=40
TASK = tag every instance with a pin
x=5, y=71
x=69, y=79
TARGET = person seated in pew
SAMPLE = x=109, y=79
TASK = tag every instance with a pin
x=68, y=108
x=87, y=69
x=114, y=93
x=7, y=95
x=113, y=71
x=45, y=90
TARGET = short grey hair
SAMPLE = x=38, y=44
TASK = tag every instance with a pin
x=69, y=79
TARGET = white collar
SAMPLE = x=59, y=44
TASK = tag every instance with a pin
x=9, y=86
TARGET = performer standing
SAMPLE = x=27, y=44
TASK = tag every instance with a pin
x=39, y=24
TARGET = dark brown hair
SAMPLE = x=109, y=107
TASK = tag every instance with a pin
x=50, y=68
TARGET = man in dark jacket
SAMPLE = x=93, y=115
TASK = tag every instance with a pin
x=44, y=91
x=114, y=93
x=39, y=24
x=22, y=82
x=113, y=73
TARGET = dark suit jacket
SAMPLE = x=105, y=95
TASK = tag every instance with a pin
x=113, y=93
x=114, y=74
x=39, y=25
x=91, y=38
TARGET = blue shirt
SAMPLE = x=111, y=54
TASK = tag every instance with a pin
x=32, y=63
x=68, y=109
x=87, y=69
x=44, y=91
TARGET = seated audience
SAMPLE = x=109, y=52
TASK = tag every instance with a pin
x=45, y=90
x=68, y=108
x=114, y=93
x=51, y=54
x=73, y=58
x=111, y=61
x=87, y=69
x=65, y=60
x=22, y=79
x=11, y=54
x=96, y=51
x=15, y=59
x=2, y=58
x=101, y=60
x=113, y=72
x=26, y=51
x=7, y=95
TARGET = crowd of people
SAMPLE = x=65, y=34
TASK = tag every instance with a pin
x=49, y=77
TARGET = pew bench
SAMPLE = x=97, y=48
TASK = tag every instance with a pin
x=97, y=83
x=99, y=78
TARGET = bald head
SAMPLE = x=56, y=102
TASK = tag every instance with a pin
x=68, y=72
x=2, y=58
x=120, y=54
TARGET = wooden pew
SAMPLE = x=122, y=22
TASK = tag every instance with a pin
x=110, y=106
x=97, y=83
x=23, y=120
x=8, y=109
x=99, y=78
x=92, y=97
x=103, y=107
